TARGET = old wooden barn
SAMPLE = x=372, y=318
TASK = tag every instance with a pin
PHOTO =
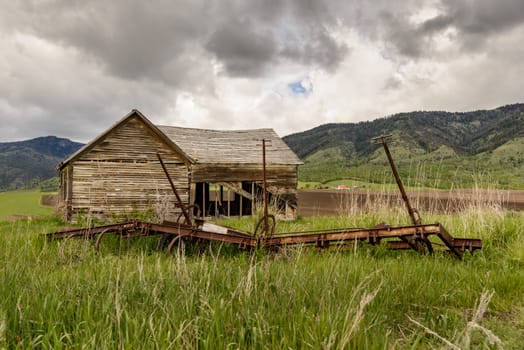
x=118, y=174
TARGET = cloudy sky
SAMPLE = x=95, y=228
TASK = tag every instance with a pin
x=72, y=68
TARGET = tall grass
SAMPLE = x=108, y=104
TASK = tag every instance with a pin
x=65, y=295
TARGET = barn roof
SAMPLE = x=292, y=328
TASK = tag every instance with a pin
x=210, y=146
x=134, y=113
x=231, y=146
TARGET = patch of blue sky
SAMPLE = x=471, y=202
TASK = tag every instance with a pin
x=301, y=87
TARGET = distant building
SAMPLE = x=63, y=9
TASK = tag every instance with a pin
x=118, y=174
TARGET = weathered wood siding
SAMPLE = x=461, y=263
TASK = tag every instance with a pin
x=65, y=191
x=277, y=175
x=121, y=175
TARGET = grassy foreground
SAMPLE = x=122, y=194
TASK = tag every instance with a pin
x=65, y=295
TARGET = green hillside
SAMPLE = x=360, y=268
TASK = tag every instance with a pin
x=27, y=163
x=436, y=149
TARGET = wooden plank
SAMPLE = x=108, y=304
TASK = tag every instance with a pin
x=236, y=187
x=116, y=179
x=277, y=175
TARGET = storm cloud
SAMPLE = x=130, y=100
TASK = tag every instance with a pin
x=71, y=68
x=244, y=51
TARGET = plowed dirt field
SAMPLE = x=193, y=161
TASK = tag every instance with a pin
x=336, y=202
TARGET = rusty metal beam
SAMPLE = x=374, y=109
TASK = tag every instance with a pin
x=90, y=232
x=180, y=204
x=383, y=139
x=264, y=182
x=362, y=234
x=409, y=235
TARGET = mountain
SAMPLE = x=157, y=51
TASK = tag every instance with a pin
x=25, y=163
x=478, y=141
x=437, y=148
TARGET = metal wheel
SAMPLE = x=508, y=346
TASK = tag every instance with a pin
x=173, y=242
x=163, y=242
x=98, y=239
x=260, y=225
x=423, y=245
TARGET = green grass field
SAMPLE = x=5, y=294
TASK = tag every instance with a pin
x=22, y=203
x=501, y=169
x=62, y=294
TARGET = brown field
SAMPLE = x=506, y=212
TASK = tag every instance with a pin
x=335, y=202
x=49, y=200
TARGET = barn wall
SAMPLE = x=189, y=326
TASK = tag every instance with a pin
x=281, y=176
x=121, y=176
x=65, y=191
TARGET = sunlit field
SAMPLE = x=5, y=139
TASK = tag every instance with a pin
x=22, y=203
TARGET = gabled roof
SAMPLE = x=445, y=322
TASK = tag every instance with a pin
x=209, y=146
x=134, y=113
x=231, y=146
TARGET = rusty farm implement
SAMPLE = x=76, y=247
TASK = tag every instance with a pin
x=416, y=236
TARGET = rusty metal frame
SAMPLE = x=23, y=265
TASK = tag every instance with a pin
x=319, y=238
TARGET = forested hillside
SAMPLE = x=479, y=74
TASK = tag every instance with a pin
x=26, y=163
x=484, y=141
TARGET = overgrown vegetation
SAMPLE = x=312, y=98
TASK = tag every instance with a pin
x=63, y=294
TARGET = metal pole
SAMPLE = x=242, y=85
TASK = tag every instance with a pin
x=266, y=225
x=180, y=203
x=414, y=220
